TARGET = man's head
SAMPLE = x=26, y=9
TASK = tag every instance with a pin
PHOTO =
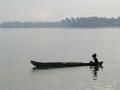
x=94, y=55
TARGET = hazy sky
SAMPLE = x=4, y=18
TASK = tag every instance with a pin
x=50, y=10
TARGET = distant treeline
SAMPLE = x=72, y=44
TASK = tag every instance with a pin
x=79, y=22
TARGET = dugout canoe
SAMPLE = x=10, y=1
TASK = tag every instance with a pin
x=62, y=64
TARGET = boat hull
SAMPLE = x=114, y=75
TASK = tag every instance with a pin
x=62, y=64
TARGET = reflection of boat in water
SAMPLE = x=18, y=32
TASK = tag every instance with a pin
x=62, y=64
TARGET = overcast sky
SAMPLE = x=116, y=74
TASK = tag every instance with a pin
x=51, y=10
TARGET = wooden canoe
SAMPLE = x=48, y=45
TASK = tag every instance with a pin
x=62, y=64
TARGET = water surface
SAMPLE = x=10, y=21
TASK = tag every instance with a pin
x=19, y=46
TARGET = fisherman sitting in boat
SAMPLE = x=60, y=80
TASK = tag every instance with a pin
x=95, y=59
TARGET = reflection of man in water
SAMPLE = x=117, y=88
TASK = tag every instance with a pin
x=96, y=68
x=95, y=59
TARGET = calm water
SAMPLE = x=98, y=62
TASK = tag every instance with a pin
x=19, y=46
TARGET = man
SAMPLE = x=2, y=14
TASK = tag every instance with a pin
x=95, y=59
